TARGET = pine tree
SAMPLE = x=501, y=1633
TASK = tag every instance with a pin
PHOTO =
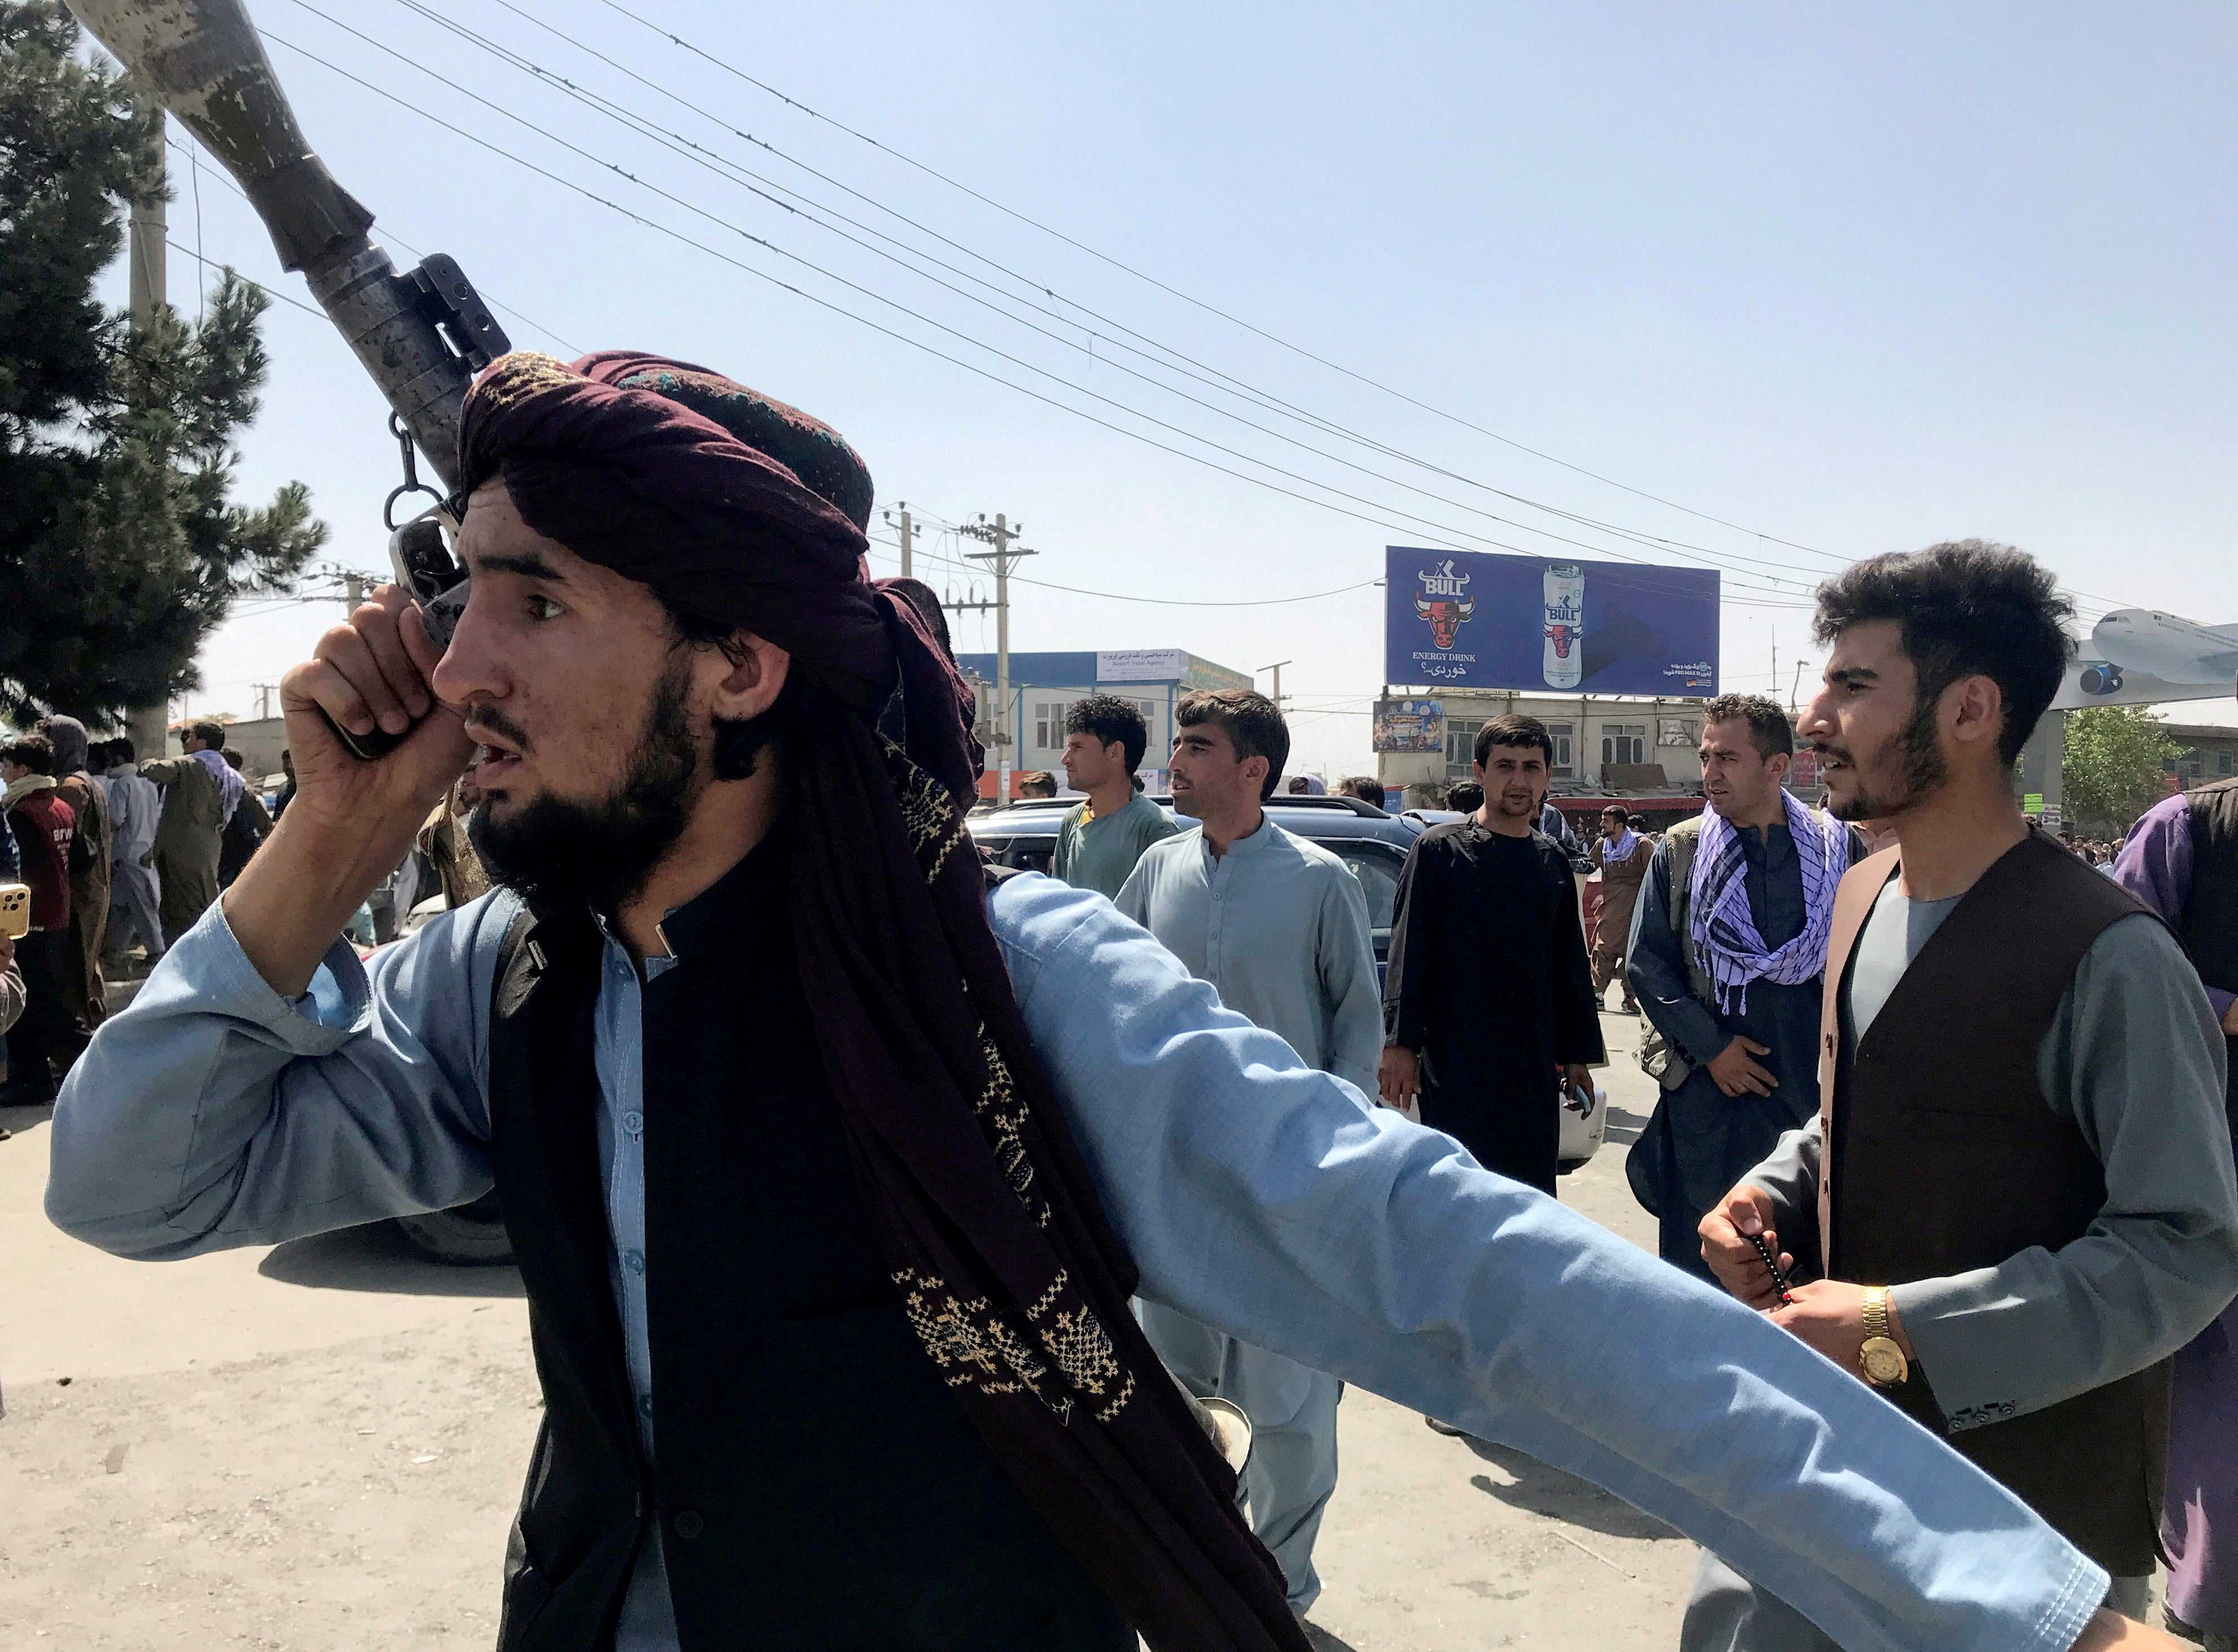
x=121, y=549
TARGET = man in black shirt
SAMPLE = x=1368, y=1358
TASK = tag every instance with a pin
x=1489, y=997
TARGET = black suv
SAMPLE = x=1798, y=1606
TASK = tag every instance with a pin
x=1373, y=845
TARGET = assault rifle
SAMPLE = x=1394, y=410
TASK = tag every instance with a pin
x=422, y=334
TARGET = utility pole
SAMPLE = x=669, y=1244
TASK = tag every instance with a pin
x=264, y=693
x=1000, y=534
x=905, y=527
x=1277, y=668
x=146, y=726
x=354, y=590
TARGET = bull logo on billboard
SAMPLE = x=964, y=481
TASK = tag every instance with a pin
x=1443, y=603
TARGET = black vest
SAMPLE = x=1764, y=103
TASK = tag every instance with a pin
x=816, y=1485
x=1942, y=1155
x=2210, y=925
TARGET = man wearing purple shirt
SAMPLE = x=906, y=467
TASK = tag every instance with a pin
x=2181, y=860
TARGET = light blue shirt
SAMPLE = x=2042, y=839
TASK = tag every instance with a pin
x=648, y=1619
x=1279, y=925
x=1255, y=1192
x=135, y=808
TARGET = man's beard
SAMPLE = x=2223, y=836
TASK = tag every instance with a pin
x=558, y=850
x=1533, y=805
x=1920, y=769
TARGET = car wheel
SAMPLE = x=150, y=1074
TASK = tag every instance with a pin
x=1568, y=1164
x=469, y=1236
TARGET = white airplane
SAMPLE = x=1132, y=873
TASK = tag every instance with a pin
x=2153, y=643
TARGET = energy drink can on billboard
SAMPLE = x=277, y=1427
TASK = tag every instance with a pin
x=1565, y=624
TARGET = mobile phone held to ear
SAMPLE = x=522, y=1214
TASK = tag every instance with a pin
x=421, y=557
x=14, y=910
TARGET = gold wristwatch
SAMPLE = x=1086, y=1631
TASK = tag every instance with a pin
x=1881, y=1357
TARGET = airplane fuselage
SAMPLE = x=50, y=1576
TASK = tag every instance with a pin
x=2165, y=645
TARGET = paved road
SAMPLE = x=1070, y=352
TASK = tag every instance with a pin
x=318, y=1447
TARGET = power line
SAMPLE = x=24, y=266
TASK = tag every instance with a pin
x=1419, y=522
x=211, y=263
x=644, y=129
x=1126, y=268
x=1168, y=602
x=194, y=154
x=678, y=235
x=746, y=178
x=1210, y=308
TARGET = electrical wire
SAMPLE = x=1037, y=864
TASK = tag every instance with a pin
x=1166, y=356
x=751, y=180
x=1211, y=309
x=1174, y=291
x=824, y=303
x=1116, y=595
x=193, y=153
x=704, y=157
x=211, y=263
x=1417, y=521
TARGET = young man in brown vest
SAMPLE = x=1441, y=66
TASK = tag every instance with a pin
x=2017, y=1197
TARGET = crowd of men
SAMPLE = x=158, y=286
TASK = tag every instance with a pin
x=885, y=1220
x=2036, y=1149
x=2098, y=851
x=117, y=854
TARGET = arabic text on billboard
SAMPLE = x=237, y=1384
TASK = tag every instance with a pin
x=1472, y=619
x=1142, y=664
x=1410, y=725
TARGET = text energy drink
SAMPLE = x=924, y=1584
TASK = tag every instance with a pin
x=1565, y=624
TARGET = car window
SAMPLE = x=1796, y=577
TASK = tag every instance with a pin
x=1377, y=866
x=1030, y=854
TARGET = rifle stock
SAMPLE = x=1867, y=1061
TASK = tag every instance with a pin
x=422, y=335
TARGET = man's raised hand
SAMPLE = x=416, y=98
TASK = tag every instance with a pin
x=352, y=822
x=371, y=673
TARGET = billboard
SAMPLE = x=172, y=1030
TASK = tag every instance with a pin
x=1473, y=619
x=1142, y=664
x=2141, y=657
x=1410, y=725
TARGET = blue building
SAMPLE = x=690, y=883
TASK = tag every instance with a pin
x=1043, y=687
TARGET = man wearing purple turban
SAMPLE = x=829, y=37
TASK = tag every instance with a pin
x=830, y=1166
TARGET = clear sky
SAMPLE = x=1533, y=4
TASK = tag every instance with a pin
x=1856, y=278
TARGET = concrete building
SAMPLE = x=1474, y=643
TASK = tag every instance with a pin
x=2209, y=753
x=1044, y=686
x=1635, y=751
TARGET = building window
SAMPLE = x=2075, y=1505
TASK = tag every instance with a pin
x=2223, y=764
x=1050, y=715
x=1048, y=723
x=1461, y=749
x=1623, y=743
x=1564, y=764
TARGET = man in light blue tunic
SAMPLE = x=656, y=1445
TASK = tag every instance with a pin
x=650, y=590
x=1279, y=927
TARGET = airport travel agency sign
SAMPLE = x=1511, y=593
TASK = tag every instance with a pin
x=1472, y=620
